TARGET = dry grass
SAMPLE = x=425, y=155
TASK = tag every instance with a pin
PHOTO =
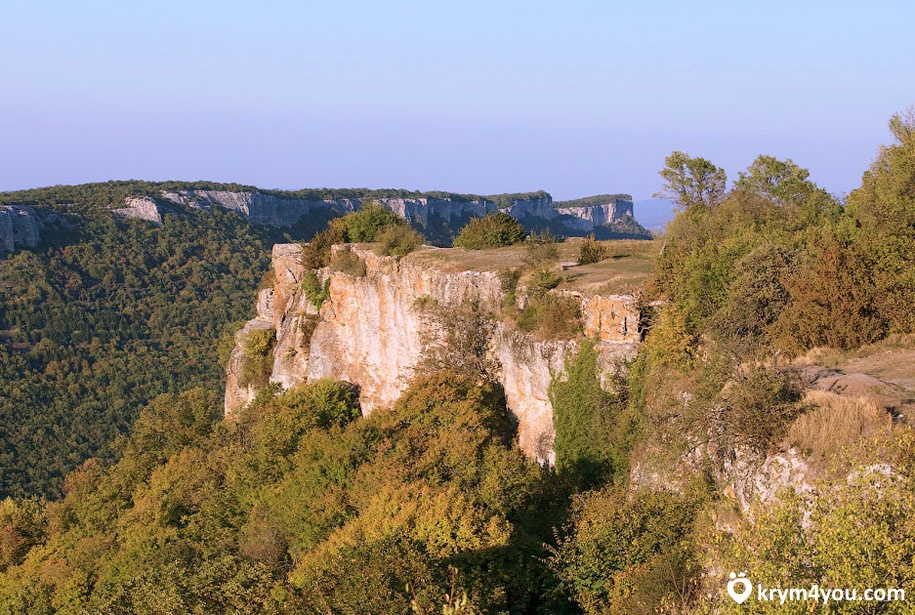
x=836, y=422
x=348, y=262
x=628, y=264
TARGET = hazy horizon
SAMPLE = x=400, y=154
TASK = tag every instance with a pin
x=576, y=99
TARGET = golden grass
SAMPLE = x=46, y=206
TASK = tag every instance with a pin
x=835, y=422
x=628, y=265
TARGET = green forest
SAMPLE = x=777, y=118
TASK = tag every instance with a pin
x=104, y=316
x=301, y=505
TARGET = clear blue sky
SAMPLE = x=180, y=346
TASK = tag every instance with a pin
x=572, y=97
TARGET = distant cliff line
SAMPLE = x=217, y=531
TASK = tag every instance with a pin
x=439, y=215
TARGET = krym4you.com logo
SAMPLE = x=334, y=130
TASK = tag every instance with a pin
x=740, y=588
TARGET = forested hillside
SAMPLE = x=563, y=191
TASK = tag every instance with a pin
x=101, y=318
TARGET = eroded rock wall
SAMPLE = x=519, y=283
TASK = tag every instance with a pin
x=423, y=212
x=19, y=228
x=372, y=330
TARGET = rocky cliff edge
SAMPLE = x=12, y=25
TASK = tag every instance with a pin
x=373, y=330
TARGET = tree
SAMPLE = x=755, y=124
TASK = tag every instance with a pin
x=692, y=182
x=780, y=181
x=883, y=212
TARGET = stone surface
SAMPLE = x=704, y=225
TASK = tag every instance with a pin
x=422, y=212
x=19, y=228
x=143, y=208
x=372, y=330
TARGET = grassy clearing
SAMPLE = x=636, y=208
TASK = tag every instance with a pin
x=835, y=423
x=628, y=264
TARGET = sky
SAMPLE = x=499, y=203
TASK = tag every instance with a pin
x=572, y=97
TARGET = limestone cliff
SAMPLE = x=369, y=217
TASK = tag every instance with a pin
x=372, y=330
x=143, y=208
x=19, y=228
x=439, y=217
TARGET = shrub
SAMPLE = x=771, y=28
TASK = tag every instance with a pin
x=398, y=240
x=348, y=262
x=314, y=291
x=552, y=316
x=833, y=302
x=317, y=253
x=757, y=295
x=757, y=405
x=630, y=553
x=492, y=231
x=559, y=316
x=258, y=357
x=541, y=280
x=508, y=282
x=541, y=248
x=459, y=341
x=325, y=402
x=591, y=251
x=364, y=225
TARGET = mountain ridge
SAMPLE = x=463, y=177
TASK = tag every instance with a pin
x=439, y=215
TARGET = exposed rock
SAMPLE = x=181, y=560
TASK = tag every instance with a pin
x=372, y=329
x=261, y=207
x=142, y=207
x=19, y=228
x=437, y=216
x=586, y=219
x=885, y=394
x=238, y=396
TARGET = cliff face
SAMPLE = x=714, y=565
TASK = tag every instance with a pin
x=586, y=219
x=438, y=217
x=373, y=331
x=19, y=228
x=143, y=208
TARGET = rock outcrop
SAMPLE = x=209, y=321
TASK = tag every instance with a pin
x=373, y=331
x=143, y=208
x=19, y=228
x=439, y=217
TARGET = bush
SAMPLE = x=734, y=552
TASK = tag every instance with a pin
x=348, y=262
x=258, y=357
x=364, y=225
x=459, y=341
x=317, y=253
x=492, y=231
x=325, y=403
x=552, y=316
x=591, y=251
x=508, y=280
x=757, y=295
x=398, y=240
x=541, y=248
x=833, y=300
x=757, y=405
x=631, y=553
x=541, y=280
x=559, y=316
x=314, y=291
